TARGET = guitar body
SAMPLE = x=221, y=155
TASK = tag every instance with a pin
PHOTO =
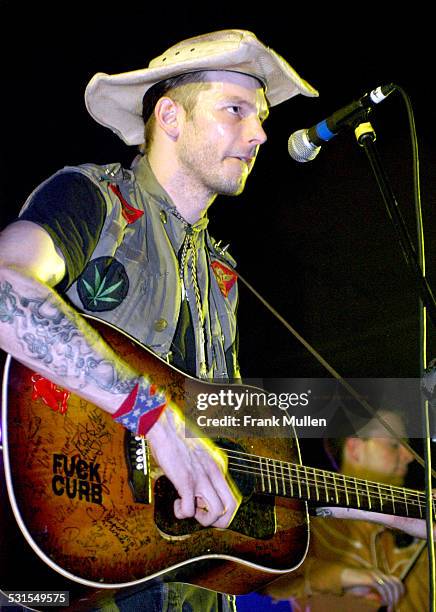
x=86, y=509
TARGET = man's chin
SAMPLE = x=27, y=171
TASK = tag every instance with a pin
x=233, y=188
x=389, y=479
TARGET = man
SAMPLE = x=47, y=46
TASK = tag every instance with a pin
x=356, y=565
x=131, y=247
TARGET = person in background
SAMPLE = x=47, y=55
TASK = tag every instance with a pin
x=354, y=565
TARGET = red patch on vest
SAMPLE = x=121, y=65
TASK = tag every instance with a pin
x=129, y=213
x=54, y=397
x=225, y=277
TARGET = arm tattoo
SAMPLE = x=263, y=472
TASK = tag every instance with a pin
x=57, y=339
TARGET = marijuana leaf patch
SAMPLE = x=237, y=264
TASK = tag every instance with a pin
x=103, y=284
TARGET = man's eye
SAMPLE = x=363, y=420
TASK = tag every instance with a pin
x=235, y=110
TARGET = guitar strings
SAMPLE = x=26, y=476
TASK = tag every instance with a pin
x=277, y=467
x=273, y=463
x=417, y=504
x=256, y=460
x=339, y=483
x=377, y=490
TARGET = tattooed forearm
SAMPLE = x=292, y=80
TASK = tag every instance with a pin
x=54, y=335
x=8, y=304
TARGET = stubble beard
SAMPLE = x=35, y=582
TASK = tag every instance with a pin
x=206, y=170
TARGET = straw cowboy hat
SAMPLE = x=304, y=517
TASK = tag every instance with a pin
x=115, y=101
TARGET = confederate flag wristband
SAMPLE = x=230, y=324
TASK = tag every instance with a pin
x=141, y=408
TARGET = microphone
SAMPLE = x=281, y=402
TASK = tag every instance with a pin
x=304, y=145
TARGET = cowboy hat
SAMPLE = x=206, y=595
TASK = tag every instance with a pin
x=115, y=101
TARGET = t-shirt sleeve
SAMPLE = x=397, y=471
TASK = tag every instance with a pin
x=72, y=210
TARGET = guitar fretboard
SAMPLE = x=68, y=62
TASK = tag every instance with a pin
x=274, y=477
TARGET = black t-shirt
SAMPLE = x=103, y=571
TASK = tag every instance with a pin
x=72, y=211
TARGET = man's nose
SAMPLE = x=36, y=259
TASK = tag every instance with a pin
x=406, y=455
x=256, y=133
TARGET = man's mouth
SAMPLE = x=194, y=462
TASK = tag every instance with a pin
x=245, y=159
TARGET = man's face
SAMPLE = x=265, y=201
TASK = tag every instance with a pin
x=218, y=142
x=382, y=458
x=385, y=460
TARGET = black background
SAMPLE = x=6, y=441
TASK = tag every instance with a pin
x=313, y=238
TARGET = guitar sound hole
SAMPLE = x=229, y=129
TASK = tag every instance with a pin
x=255, y=516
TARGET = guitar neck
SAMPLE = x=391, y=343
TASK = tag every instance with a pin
x=283, y=479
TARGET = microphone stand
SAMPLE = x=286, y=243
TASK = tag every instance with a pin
x=365, y=136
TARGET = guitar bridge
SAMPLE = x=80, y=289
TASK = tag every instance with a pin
x=138, y=463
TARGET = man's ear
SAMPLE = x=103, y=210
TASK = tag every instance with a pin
x=168, y=114
x=353, y=450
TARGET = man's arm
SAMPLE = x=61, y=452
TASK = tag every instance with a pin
x=413, y=526
x=39, y=329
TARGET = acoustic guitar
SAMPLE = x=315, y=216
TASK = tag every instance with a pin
x=93, y=506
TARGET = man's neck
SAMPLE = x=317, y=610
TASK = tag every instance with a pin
x=189, y=199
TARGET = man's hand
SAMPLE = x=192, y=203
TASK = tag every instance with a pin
x=373, y=585
x=197, y=469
